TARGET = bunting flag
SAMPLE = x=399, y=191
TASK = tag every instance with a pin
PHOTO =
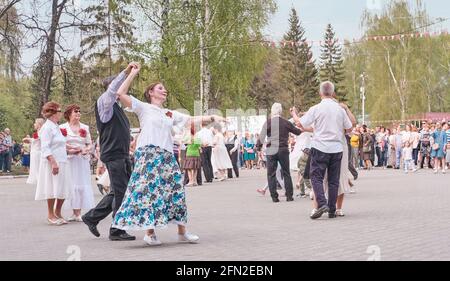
x=395, y=37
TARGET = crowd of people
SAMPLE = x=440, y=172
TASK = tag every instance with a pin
x=319, y=152
x=402, y=146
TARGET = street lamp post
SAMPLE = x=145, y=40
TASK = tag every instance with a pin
x=363, y=96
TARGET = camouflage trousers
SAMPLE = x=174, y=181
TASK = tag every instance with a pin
x=301, y=166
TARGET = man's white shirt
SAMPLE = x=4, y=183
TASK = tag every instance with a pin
x=330, y=121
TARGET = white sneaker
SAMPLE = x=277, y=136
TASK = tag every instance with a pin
x=74, y=218
x=313, y=211
x=414, y=170
x=188, y=237
x=435, y=171
x=340, y=213
x=443, y=171
x=406, y=172
x=152, y=240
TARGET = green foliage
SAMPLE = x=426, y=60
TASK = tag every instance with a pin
x=235, y=55
x=404, y=76
x=15, y=102
x=299, y=73
x=331, y=63
x=110, y=31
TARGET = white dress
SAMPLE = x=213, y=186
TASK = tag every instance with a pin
x=295, y=154
x=79, y=165
x=35, y=159
x=344, y=186
x=51, y=186
x=220, y=159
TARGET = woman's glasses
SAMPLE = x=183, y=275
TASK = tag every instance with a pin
x=77, y=111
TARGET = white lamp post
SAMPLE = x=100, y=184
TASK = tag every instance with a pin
x=363, y=96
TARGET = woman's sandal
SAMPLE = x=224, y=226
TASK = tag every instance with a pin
x=57, y=222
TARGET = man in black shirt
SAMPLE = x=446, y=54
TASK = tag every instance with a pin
x=277, y=130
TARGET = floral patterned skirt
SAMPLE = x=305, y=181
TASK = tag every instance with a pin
x=155, y=195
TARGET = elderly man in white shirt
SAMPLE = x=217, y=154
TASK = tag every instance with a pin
x=329, y=121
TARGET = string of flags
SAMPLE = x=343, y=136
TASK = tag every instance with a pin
x=311, y=43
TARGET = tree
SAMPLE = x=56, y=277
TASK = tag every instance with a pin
x=232, y=40
x=265, y=88
x=298, y=68
x=10, y=42
x=112, y=27
x=6, y=6
x=331, y=63
x=406, y=75
x=47, y=30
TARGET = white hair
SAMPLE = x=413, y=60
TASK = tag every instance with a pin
x=276, y=109
x=327, y=88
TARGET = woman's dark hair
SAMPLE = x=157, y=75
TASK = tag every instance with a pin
x=69, y=111
x=364, y=128
x=192, y=129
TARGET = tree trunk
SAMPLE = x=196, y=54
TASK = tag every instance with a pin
x=399, y=88
x=164, y=30
x=47, y=60
x=205, y=75
x=109, y=39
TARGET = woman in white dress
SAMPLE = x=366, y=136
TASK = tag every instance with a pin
x=35, y=152
x=54, y=180
x=78, y=148
x=220, y=158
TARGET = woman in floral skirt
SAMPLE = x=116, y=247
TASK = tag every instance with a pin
x=155, y=194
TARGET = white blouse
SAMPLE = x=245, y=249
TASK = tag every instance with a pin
x=52, y=142
x=74, y=139
x=157, y=124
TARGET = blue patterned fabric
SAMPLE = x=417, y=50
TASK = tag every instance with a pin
x=155, y=195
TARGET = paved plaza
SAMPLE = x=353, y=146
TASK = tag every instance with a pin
x=392, y=216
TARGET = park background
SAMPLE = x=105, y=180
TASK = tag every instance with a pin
x=227, y=54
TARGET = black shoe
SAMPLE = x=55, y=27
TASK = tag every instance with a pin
x=92, y=227
x=289, y=199
x=320, y=211
x=275, y=200
x=332, y=215
x=122, y=236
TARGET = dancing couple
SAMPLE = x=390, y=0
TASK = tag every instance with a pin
x=153, y=194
